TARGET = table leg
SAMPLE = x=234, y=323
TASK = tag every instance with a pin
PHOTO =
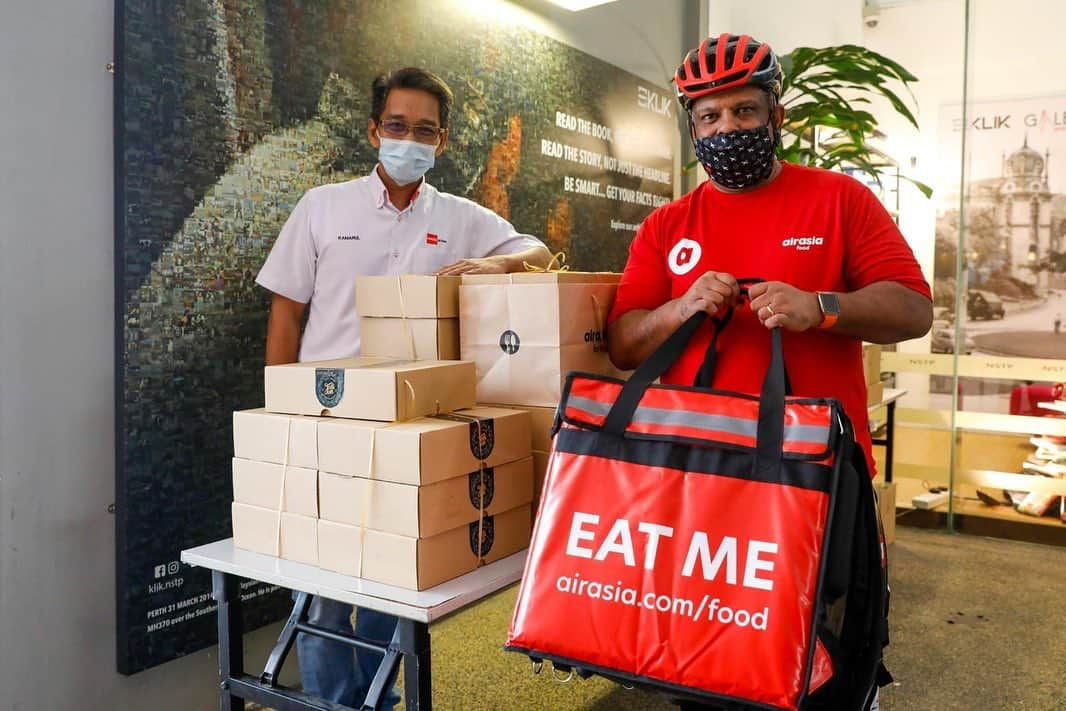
x=411, y=641
x=227, y=593
x=285, y=641
x=385, y=678
x=417, y=681
x=890, y=440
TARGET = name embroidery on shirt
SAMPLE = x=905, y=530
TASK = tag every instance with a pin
x=345, y=238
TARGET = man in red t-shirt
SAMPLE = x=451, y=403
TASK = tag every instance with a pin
x=836, y=269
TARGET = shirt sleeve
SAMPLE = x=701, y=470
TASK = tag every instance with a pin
x=290, y=267
x=876, y=250
x=494, y=235
x=645, y=283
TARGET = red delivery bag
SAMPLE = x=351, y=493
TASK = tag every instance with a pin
x=719, y=547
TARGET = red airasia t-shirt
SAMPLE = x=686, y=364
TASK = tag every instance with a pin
x=814, y=229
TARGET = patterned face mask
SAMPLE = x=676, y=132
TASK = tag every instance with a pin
x=738, y=159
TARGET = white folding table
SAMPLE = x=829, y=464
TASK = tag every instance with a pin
x=411, y=640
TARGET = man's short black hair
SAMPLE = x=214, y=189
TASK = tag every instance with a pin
x=411, y=78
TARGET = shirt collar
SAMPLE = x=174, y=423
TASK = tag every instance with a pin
x=381, y=193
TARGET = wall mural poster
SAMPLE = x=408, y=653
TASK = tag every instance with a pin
x=1014, y=241
x=229, y=110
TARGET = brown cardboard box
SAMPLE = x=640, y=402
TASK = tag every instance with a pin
x=407, y=296
x=525, y=332
x=875, y=393
x=871, y=362
x=299, y=538
x=259, y=484
x=886, y=504
x=370, y=388
x=541, y=421
x=425, y=450
x=412, y=338
x=260, y=435
x=420, y=563
x=424, y=511
x=540, y=470
x=255, y=528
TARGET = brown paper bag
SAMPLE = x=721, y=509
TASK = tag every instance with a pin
x=525, y=332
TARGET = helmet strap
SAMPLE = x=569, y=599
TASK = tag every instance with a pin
x=692, y=137
x=774, y=130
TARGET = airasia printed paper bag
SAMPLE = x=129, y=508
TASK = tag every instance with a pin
x=525, y=332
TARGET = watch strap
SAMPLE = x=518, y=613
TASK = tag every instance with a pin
x=830, y=308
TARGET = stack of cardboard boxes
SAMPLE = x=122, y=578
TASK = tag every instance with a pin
x=875, y=393
x=525, y=332
x=275, y=484
x=411, y=316
x=383, y=468
x=416, y=497
x=871, y=361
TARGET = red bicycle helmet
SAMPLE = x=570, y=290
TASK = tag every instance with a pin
x=726, y=61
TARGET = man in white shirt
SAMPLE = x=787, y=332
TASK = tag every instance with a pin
x=389, y=222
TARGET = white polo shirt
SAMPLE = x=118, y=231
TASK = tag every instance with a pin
x=340, y=231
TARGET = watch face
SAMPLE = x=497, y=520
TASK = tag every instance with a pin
x=829, y=303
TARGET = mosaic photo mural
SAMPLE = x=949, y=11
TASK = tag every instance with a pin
x=227, y=111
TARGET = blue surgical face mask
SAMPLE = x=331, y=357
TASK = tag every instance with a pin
x=405, y=161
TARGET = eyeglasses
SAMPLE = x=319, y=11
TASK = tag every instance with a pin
x=394, y=128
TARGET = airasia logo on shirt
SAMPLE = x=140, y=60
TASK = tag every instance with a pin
x=803, y=244
x=684, y=256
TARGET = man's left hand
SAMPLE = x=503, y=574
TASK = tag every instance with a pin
x=776, y=303
x=497, y=264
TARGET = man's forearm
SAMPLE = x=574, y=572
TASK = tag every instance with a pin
x=283, y=340
x=534, y=256
x=636, y=334
x=884, y=312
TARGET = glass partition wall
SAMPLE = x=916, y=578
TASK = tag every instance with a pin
x=981, y=422
x=984, y=418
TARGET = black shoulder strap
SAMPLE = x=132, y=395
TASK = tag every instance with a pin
x=865, y=634
x=855, y=568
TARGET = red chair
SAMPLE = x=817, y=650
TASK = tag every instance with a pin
x=1024, y=399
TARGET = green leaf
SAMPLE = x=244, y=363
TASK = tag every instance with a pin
x=926, y=190
x=822, y=90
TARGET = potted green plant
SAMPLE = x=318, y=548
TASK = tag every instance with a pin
x=825, y=92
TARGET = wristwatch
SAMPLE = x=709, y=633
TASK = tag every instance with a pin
x=830, y=306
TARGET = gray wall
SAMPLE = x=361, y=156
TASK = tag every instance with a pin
x=57, y=619
x=57, y=609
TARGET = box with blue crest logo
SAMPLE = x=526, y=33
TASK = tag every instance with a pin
x=380, y=389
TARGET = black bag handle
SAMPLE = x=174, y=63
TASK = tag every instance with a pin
x=705, y=375
x=653, y=366
x=770, y=432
